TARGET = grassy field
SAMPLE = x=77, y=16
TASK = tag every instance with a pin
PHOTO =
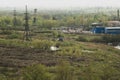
x=76, y=59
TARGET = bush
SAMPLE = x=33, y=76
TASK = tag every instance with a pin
x=14, y=43
x=97, y=40
x=3, y=77
x=107, y=39
x=111, y=38
x=90, y=74
x=81, y=38
x=6, y=32
x=110, y=73
x=63, y=44
x=64, y=71
x=55, y=33
x=14, y=36
x=42, y=44
x=36, y=72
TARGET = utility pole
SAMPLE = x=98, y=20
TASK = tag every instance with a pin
x=35, y=15
x=27, y=31
x=15, y=19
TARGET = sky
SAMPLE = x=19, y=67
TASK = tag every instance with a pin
x=59, y=3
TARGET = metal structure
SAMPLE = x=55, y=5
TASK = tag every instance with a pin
x=35, y=14
x=27, y=31
x=118, y=16
x=14, y=19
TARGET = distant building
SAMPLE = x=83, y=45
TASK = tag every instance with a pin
x=114, y=28
x=98, y=30
x=106, y=30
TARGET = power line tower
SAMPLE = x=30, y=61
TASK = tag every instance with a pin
x=118, y=15
x=35, y=17
x=27, y=31
x=14, y=19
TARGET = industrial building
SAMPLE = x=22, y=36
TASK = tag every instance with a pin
x=112, y=30
x=106, y=30
x=98, y=28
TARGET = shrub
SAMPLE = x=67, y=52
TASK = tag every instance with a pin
x=3, y=77
x=107, y=39
x=66, y=43
x=55, y=33
x=81, y=38
x=60, y=35
x=14, y=36
x=42, y=44
x=111, y=38
x=90, y=74
x=110, y=73
x=97, y=40
x=64, y=71
x=6, y=32
x=14, y=43
x=35, y=72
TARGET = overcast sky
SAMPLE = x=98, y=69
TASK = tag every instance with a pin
x=59, y=3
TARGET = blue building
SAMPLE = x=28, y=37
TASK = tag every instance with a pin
x=112, y=30
x=106, y=30
x=98, y=30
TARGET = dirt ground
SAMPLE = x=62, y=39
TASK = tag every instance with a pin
x=20, y=57
x=12, y=59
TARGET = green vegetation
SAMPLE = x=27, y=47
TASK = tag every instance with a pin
x=80, y=60
x=104, y=39
x=35, y=72
x=56, y=19
x=64, y=71
x=80, y=56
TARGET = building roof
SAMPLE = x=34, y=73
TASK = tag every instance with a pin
x=97, y=24
x=112, y=27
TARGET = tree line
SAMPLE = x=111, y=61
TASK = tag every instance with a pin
x=48, y=21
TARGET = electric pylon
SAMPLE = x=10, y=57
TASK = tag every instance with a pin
x=27, y=31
